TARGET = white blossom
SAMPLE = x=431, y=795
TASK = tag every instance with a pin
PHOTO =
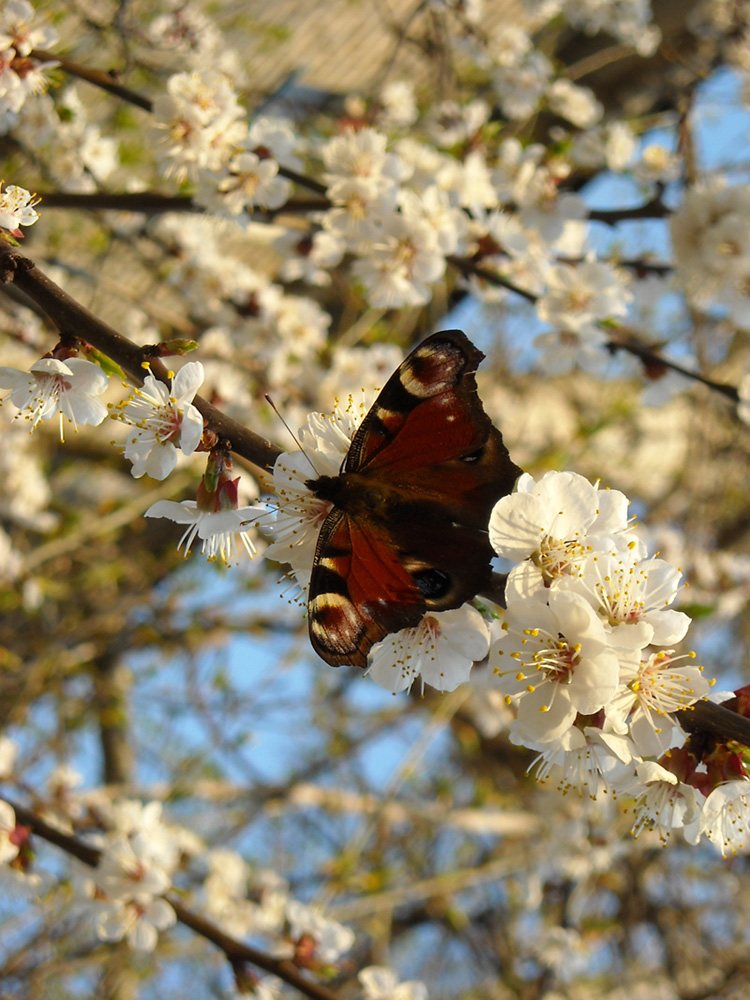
x=400, y=268
x=555, y=659
x=632, y=596
x=69, y=388
x=580, y=297
x=380, y=983
x=245, y=182
x=665, y=803
x=441, y=650
x=398, y=105
x=137, y=920
x=17, y=30
x=331, y=938
x=650, y=691
x=587, y=761
x=198, y=122
x=277, y=138
x=575, y=103
x=451, y=123
x=17, y=208
x=555, y=522
x=520, y=87
x=725, y=818
x=218, y=530
x=164, y=419
x=8, y=849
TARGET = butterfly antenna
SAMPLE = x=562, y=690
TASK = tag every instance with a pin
x=291, y=433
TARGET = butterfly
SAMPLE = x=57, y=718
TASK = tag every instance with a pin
x=407, y=530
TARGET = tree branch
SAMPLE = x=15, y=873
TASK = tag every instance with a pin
x=234, y=950
x=655, y=209
x=152, y=203
x=74, y=320
x=715, y=720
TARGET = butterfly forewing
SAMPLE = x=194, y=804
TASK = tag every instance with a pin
x=424, y=412
x=407, y=531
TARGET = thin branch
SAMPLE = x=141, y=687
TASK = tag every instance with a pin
x=146, y=202
x=74, y=320
x=618, y=341
x=598, y=60
x=655, y=209
x=469, y=267
x=152, y=203
x=234, y=950
x=105, y=81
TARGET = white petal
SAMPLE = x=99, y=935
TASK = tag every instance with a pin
x=142, y=936
x=160, y=461
x=187, y=382
x=181, y=513
x=14, y=378
x=544, y=714
x=191, y=429
x=669, y=626
x=161, y=914
x=517, y=524
x=89, y=377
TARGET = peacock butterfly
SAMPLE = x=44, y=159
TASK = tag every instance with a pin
x=407, y=530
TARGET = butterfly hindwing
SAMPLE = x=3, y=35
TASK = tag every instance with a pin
x=407, y=531
x=359, y=590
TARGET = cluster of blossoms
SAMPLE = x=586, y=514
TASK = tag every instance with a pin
x=143, y=857
x=162, y=424
x=712, y=248
x=583, y=652
x=403, y=210
x=629, y=21
x=21, y=75
x=202, y=134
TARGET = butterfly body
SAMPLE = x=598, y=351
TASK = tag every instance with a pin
x=407, y=530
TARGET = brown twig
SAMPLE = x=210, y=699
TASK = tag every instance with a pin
x=469, y=267
x=105, y=81
x=152, y=203
x=234, y=950
x=655, y=209
x=74, y=320
x=618, y=340
x=145, y=202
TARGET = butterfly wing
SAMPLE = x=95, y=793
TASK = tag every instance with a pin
x=427, y=433
x=359, y=590
x=408, y=529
